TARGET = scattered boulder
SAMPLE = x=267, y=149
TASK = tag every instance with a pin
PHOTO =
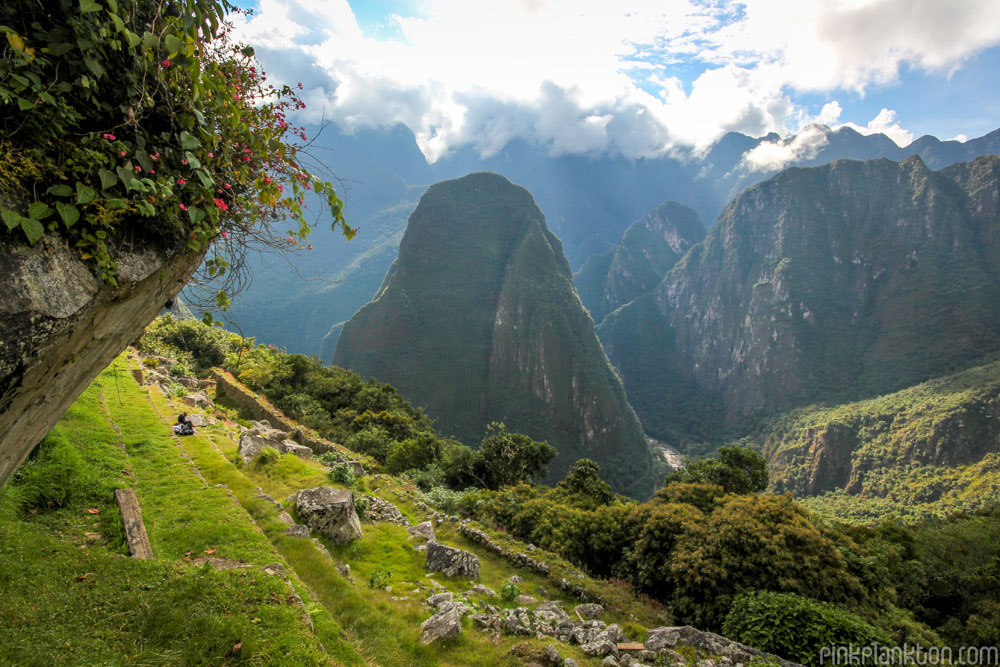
x=188, y=381
x=451, y=561
x=298, y=530
x=441, y=626
x=424, y=530
x=198, y=420
x=436, y=599
x=331, y=512
x=480, y=589
x=199, y=399
x=526, y=599
x=356, y=468
x=588, y=611
x=285, y=517
x=382, y=511
x=300, y=451
x=251, y=443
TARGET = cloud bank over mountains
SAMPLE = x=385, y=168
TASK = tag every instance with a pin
x=639, y=79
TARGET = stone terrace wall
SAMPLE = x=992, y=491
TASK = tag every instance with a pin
x=238, y=394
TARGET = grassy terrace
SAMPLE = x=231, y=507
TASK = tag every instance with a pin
x=72, y=595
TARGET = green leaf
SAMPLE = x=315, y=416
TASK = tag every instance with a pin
x=39, y=210
x=69, y=213
x=47, y=97
x=108, y=179
x=84, y=193
x=193, y=162
x=206, y=180
x=116, y=203
x=87, y=6
x=112, y=6
x=119, y=24
x=133, y=39
x=172, y=44
x=94, y=66
x=32, y=229
x=24, y=104
x=60, y=190
x=11, y=218
x=195, y=214
x=188, y=141
x=58, y=49
x=144, y=161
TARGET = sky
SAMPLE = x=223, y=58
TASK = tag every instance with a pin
x=638, y=78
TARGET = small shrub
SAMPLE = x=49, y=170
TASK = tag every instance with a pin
x=342, y=474
x=509, y=592
x=245, y=423
x=268, y=456
x=179, y=369
x=329, y=458
x=361, y=504
x=177, y=389
x=379, y=579
x=794, y=627
x=444, y=499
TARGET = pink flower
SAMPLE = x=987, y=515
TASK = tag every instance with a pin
x=165, y=63
x=109, y=137
x=211, y=155
x=227, y=186
x=138, y=168
x=181, y=181
x=123, y=153
x=152, y=171
x=221, y=205
x=183, y=207
x=290, y=239
x=225, y=235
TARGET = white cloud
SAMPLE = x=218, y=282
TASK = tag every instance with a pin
x=884, y=123
x=774, y=155
x=584, y=77
x=959, y=137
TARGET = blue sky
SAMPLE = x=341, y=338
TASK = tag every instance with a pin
x=636, y=77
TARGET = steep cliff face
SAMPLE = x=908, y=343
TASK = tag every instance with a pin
x=934, y=444
x=648, y=249
x=60, y=326
x=830, y=283
x=477, y=320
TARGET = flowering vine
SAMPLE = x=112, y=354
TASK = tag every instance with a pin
x=130, y=118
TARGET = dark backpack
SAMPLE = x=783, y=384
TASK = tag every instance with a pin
x=186, y=429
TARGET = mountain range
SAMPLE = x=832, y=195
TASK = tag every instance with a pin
x=588, y=202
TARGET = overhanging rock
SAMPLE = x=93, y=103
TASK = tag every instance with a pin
x=60, y=326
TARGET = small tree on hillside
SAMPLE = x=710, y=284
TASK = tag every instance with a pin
x=736, y=469
x=504, y=459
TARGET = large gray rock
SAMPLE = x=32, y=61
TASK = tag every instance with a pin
x=441, y=626
x=199, y=399
x=60, y=325
x=329, y=511
x=424, y=530
x=301, y=451
x=251, y=444
x=451, y=561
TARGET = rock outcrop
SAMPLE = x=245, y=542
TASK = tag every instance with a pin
x=329, y=511
x=60, y=326
x=478, y=321
x=451, y=562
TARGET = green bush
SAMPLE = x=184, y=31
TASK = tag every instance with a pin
x=267, y=456
x=379, y=579
x=361, y=505
x=179, y=369
x=342, y=474
x=509, y=592
x=794, y=627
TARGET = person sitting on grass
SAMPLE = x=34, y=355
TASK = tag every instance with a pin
x=183, y=425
